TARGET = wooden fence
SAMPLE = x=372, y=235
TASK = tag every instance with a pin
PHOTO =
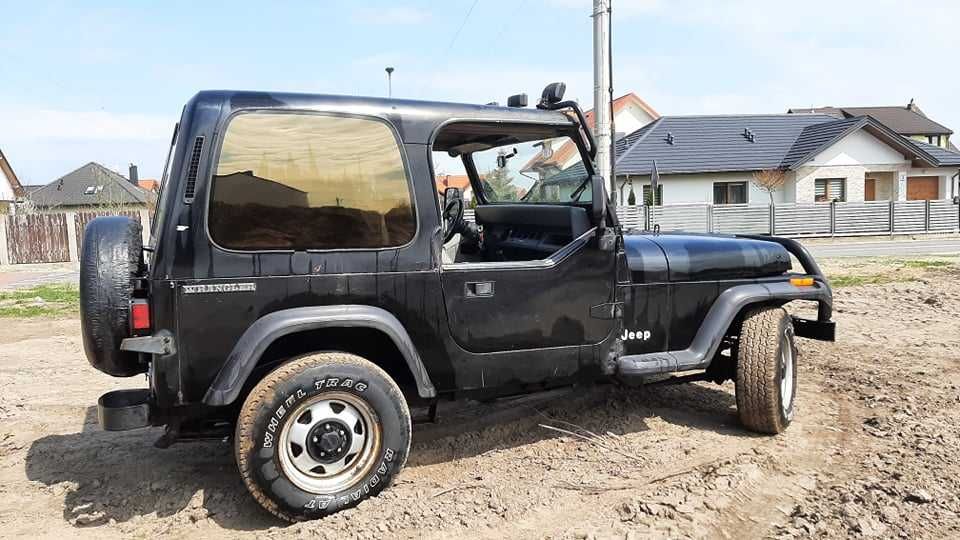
x=82, y=218
x=37, y=238
x=49, y=238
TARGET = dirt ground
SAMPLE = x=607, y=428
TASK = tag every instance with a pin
x=873, y=451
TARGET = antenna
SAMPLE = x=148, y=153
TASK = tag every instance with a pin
x=389, y=71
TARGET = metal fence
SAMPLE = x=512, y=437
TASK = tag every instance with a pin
x=797, y=220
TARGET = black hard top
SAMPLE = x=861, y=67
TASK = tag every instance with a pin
x=415, y=120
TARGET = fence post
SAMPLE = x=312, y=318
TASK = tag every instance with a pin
x=890, y=217
x=72, y=248
x=833, y=218
x=4, y=256
x=773, y=219
x=926, y=216
x=145, y=225
x=710, y=218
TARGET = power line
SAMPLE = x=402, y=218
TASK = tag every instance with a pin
x=464, y=23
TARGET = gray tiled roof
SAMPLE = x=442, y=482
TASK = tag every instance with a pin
x=105, y=187
x=947, y=158
x=714, y=143
x=717, y=143
x=815, y=136
x=898, y=118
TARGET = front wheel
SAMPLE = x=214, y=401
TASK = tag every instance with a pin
x=321, y=433
x=766, y=384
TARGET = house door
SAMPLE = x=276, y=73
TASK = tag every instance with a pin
x=922, y=188
x=870, y=189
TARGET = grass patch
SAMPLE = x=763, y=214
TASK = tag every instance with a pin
x=925, y=264
x=854, y=281
x=42, y=301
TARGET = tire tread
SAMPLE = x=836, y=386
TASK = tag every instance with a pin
x=757, y=384
x=266, y=388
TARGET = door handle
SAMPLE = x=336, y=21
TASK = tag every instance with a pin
x=478, y=289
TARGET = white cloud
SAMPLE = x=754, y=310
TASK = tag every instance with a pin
x=390, y=15
x=43, y=144
x=52, y=124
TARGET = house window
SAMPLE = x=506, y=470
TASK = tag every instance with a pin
x=308, y=181
x=934, y=140
x=648, y=198
x=830, y=189
x=729, y=193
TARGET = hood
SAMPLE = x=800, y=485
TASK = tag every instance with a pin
x=657, y=258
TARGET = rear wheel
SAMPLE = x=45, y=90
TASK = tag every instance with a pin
x=321, y=433
x=766, y=383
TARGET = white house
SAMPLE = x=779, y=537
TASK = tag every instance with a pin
x=10, y=188
x=630, y=113
x=909, y=121
x=712, y=159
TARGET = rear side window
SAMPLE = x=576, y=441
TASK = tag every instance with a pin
x=307, y=181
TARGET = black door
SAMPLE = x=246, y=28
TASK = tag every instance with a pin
x=509, y=314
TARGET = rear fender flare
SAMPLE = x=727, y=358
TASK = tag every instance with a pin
x=250, y=347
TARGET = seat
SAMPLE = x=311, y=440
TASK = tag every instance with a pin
x=448, y=255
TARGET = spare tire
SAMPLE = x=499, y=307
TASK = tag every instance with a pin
x=109, y=265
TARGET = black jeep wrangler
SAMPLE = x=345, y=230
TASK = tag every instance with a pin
x=306, y=284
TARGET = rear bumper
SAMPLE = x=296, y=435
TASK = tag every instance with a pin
x=121, y=410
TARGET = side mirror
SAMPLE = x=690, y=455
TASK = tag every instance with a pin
x=502, y=158
x=450, y=194
x=598, y=200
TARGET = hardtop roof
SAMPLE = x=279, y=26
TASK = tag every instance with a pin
x=416, y=119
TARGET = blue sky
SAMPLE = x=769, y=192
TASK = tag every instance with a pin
x=105, y=81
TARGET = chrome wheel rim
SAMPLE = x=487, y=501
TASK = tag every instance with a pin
x=329, y=443
x=786, y=372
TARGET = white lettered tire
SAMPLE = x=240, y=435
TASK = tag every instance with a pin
x=321, y=433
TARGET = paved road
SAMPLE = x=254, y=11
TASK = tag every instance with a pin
x=36, y=275
x=936, y=246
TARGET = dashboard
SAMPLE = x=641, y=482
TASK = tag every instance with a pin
x=518, y=232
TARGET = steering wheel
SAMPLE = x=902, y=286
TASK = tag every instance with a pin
x=452, y=218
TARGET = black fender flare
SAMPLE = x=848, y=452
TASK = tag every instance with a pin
x=718, y=319
x=229, y=382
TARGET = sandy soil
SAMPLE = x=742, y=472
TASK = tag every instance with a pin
x=873, y=451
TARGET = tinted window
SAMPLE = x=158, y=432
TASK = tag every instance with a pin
x=299, y=181
x=729, y=193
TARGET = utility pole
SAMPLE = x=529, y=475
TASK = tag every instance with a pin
x=602, y=88
x=389, y=71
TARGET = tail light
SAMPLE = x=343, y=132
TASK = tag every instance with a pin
x=139, y=315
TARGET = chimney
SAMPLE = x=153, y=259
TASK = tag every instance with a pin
x=134, y=176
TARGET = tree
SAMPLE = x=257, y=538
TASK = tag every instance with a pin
x=770, y=180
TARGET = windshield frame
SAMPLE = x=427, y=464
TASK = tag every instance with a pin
x=572, y=131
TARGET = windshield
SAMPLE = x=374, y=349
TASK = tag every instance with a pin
x=516, y=164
